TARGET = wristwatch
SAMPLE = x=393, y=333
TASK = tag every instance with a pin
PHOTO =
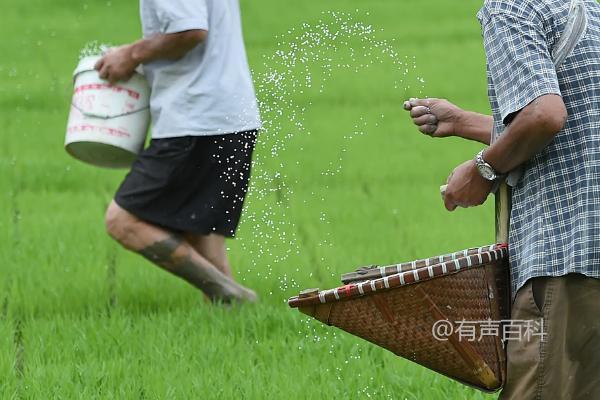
x=486, y=170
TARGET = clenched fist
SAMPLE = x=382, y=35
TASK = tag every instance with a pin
x=434, y=117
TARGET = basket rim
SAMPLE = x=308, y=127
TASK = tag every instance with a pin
x=377, y=271
x=388, y=282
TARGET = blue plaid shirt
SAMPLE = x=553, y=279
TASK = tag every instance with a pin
x=555, y=219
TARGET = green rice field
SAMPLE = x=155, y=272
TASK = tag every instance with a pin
x=354, y=184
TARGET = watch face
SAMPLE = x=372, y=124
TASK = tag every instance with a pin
x=487, y=172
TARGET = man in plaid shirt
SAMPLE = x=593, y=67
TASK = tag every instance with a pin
x=546, y=130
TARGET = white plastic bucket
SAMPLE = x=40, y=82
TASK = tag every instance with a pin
x=107, y=123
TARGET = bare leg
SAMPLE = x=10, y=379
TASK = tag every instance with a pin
x=212, y=247
x=174, y=254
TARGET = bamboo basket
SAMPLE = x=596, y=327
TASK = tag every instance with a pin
x=396, y=307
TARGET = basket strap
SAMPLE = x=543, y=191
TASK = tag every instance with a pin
x=574, y=31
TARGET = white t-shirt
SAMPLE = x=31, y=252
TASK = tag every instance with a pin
x=209, y=91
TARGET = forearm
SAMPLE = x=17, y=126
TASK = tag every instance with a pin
x=532, y=130
x=475, y=126
x=170, y=46
x=119, y=63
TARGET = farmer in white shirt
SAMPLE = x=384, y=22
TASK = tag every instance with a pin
x=184, y=193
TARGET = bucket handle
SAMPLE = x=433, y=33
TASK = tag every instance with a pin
x=92, y=115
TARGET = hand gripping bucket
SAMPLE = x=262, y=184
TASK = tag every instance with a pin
x=399, y=307
x=107, y=123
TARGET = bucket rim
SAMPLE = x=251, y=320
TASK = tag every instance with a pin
x=86, y=64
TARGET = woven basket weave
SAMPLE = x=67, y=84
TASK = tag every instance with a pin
x=397, y=306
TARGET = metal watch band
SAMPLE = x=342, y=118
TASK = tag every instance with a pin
x=482, y=164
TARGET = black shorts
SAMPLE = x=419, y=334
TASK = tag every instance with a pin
x=191, y=184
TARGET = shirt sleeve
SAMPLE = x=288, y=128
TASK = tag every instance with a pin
x=519, y=62
x=181, y=15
